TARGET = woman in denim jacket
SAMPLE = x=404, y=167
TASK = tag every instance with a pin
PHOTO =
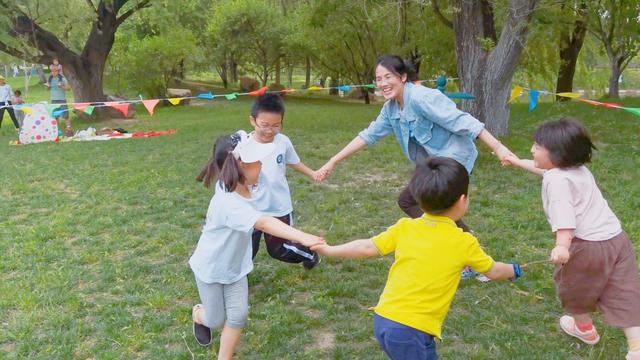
x=425, y=122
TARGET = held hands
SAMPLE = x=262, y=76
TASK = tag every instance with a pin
x=560, y=255
x=324, y=172
x=503, y=154
x=313, y=241
x=322, y=249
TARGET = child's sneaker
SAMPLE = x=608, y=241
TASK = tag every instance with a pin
x=310, y=264
x=568, y=324
x=633, y=355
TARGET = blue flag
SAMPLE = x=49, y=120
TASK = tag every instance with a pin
x=533, y=99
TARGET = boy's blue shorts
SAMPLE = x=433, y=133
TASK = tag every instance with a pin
x=401, y=342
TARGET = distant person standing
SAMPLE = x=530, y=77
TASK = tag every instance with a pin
x=16, y=71
x=16, y=99
x=5, y=102
x=58, y=84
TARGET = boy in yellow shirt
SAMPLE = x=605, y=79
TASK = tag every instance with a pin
x=430, y=252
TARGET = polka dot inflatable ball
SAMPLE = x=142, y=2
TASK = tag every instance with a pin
x=38, y=126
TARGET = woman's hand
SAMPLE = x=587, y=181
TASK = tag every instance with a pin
x=504, y=154
x=324, y=172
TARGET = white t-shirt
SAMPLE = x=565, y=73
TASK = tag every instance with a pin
x=271, y=194
x=572, y=200
x=5, y=93
x=223, y=254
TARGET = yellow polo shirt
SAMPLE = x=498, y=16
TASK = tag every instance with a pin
x=430, y=253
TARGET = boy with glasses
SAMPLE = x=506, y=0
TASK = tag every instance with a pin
x=271, y=195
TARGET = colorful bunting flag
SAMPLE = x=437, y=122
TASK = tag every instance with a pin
x=207, y=96
x=58, y=113
x=89, y=110
x=314, y=88
x=174, y=101
x=612, y=105
x=344, y=88
x=515, y=93
x=258, y=92
x=231, y=96
x=634, y=111
x=50, y=108
x=80, y=106
x=569, y=95
x=597, y=103
x=122, y=107
x=150, y=105
x=370, y=86
x=533, y=99
x=27, y=110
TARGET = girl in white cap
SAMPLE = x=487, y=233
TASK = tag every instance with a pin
x=222, y=258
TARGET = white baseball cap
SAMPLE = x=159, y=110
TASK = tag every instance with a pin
x=248, y=150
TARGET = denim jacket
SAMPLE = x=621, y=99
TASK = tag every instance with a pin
x=433, y=120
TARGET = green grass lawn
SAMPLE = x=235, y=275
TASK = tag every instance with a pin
x=95, y=238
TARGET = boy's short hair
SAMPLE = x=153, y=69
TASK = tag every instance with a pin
x=437, y=184
x=270, y=102
x=567, y=141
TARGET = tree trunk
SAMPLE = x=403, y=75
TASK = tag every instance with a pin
x=613, y=79
x=307, y=72
x=334, y=83
x=487, y=73
x=234, y=70
x=278, y=70
x=85, y=70
x=570, y=46
x=222, y=70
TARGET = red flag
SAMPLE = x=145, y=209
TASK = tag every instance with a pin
x=80, y=106
x=258, y=92
x=122, y=107
x=597, y=103
x=150, y=105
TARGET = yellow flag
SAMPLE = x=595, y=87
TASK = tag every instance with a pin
x=174, y=101
x=26, y=110
x=312, y=88
x=515, y=92
x=569, y=95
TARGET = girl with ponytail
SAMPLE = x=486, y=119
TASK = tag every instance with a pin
x=222, y=258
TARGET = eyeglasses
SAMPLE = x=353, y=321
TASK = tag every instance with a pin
x=264, y=127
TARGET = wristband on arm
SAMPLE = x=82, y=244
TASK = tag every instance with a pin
x=517, y=271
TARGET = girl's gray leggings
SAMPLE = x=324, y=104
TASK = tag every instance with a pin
x=220, y=301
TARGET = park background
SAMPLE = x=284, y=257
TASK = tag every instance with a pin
x=95, y=236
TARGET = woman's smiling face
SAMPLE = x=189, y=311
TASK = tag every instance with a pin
x=391, y=85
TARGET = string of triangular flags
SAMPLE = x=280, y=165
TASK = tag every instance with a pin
x=518, y=91
x=150, y=104
x=55, y=110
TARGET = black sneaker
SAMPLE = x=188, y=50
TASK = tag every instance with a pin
x=310, y=264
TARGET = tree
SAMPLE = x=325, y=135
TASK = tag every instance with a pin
x=84, y=67
x=345, y=38
x=486, y=63
x=248, y=33
x=571, y=41
x=616, y=23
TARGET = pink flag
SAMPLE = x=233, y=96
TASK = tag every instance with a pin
x=150, y=105
x=122, y=107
